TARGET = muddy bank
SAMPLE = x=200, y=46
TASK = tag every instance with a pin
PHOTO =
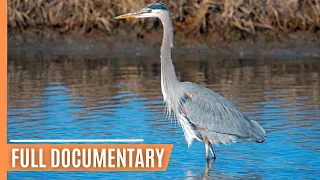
x=299, y=45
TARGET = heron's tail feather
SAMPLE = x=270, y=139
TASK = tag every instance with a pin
x=257, y=133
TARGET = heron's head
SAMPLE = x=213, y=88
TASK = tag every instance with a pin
x=152, y=10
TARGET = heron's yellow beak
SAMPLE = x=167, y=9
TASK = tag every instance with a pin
x=129, y=15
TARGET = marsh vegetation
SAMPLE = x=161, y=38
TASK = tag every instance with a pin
x=207, y=19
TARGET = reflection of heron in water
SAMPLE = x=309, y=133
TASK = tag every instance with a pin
x=202, y=113
x=211, y=173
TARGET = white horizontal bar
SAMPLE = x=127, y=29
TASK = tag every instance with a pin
x=74, y=140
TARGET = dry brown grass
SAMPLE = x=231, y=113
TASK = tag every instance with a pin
x=227, y=19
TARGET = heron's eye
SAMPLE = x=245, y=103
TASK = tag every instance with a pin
x=149, y=11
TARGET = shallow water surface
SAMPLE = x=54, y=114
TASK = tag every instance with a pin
x=54, y=96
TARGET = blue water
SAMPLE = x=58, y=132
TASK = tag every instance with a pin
x=72, y=97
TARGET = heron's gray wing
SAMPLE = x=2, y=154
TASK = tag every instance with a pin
x=211, y=111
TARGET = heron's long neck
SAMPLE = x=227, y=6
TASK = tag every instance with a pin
x=168, y=75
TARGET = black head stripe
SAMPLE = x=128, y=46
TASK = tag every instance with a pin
x=158, y=6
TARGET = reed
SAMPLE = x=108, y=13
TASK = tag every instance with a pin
x=226, y=19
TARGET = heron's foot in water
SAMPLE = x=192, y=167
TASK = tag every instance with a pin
x=212, y=158
x=209, y=164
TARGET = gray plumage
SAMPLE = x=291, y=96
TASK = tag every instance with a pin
x=223, y=122
x=202, y=113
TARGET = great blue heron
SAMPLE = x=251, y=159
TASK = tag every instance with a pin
x=202, y=113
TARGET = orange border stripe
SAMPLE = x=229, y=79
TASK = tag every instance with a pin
x=3, y=90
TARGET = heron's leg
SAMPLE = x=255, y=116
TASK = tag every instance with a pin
x=207, y=151
x=212, y=151
x=206, y=142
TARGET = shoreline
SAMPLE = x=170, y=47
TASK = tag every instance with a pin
x=99, y=46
